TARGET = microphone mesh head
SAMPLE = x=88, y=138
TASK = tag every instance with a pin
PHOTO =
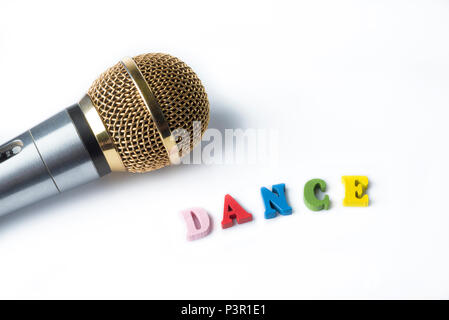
x=177, y=89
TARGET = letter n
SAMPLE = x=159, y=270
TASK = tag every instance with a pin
x=275, y=201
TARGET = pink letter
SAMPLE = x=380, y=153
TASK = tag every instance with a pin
x=198, y=223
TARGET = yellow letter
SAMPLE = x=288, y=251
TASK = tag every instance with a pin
x=355, y=187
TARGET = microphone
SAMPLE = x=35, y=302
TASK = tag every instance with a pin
x=125, y=122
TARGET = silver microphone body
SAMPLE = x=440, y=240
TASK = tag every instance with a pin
x=52, y=157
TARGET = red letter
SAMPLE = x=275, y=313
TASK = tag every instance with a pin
x=232, y=210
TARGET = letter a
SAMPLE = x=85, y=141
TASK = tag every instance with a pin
x=275, y=201
x=233, y=210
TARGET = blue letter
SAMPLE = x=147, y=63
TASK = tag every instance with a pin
x=275, y=201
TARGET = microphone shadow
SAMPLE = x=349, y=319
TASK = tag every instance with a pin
x=220, y=119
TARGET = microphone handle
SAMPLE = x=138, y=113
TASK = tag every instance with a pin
x=54, y=156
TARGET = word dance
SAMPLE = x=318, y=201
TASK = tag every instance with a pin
x=198, y=221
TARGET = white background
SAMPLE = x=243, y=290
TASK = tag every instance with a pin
x=352, y=87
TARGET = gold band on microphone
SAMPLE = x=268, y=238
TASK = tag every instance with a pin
x=104, y=140
x=155, y=110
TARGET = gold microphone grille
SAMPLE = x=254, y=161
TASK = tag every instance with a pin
x=179, y=93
